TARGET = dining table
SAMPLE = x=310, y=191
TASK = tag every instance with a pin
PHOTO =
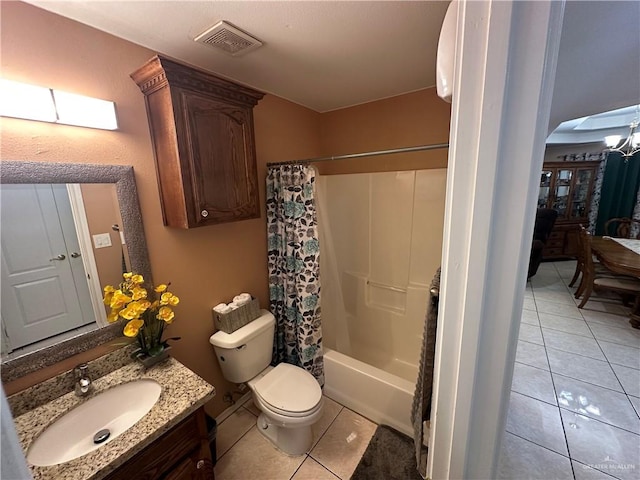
x=622, y=256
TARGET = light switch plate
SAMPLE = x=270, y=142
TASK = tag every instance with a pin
x=101, y=240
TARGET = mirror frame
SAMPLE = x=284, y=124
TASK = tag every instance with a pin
x=123, y=178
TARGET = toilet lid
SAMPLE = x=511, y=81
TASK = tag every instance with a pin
x=289, y=388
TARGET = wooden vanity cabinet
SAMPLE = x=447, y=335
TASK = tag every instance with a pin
x=202, y=132
x=180, y=454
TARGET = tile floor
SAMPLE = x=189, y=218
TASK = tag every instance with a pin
x=339, y=440
x=575, y=397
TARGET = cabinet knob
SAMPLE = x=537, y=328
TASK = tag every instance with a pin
x=200, y=464
x=204, y=213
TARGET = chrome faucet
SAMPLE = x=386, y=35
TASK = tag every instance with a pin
x=83, y=380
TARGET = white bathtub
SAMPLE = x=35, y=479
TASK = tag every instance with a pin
x=378, y=395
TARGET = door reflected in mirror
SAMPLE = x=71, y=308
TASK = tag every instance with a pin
x=60, y=244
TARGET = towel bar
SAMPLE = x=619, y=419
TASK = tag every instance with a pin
x=388, y=287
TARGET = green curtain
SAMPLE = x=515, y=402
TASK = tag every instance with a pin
x=619, y=189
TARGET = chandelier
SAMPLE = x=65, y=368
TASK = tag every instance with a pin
x=631, y=144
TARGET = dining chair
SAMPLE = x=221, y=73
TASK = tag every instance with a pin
x=591, y=280
x=599, y=269
x=621, y=227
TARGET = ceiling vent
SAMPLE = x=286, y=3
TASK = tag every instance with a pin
x=228, y=38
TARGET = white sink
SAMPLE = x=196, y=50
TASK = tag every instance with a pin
x=115, y=410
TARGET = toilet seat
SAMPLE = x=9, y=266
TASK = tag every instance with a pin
x=289, y=391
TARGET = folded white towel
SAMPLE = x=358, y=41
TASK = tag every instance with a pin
x=242, y=299
x=234, y=305
x=222, y=308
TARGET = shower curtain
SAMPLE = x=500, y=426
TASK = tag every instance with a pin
x=293, y=261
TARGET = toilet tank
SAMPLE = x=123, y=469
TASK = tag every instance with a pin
x=244, y=353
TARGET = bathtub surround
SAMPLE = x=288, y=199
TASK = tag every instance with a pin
x=381, y=236
x=294, y=267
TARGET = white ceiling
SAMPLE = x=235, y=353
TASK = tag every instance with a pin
x=594, y=128
x=324, y=55
x=599, y=59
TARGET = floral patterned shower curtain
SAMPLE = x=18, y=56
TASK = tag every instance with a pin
x=294, y=264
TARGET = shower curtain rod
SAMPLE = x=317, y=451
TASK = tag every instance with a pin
x=418, y=148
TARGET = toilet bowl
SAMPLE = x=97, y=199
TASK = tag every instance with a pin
x=289, y=397
x=290, y=401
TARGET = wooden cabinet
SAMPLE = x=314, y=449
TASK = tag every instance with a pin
x=202, y=132
x=567, y=188
x=180, y=454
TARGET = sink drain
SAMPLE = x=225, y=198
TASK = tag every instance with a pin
x=101, y=436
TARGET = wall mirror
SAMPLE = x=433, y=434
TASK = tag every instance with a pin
x=67, y=230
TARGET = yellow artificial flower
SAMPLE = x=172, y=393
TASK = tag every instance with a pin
x=119, y=299
x=132, y=328
x=164, y=298
x=128, y=313
x=108, y=294
x=113, y=316
x=129, y=301
x=107, y=299
x=166, y=314
x=168, y=298
x=138, y=292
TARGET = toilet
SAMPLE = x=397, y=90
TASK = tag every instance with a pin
x=289, y=397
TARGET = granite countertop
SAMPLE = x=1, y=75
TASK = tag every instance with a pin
x=182, y=393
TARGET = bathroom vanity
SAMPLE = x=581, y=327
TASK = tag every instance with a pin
x=169, y=442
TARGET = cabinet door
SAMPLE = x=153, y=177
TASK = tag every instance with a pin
x=545, y=188
x=581, y=194
x=224, y=185
x=192, y=468
x=561, y=192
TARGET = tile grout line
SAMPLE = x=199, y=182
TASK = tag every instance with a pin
x=600, y=421
x=553, y=383
x=534, y=398
x=589, y=383
x=342, y=407
x=538, y=445
x=239, y=438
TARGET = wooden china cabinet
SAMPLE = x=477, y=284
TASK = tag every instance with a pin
x=566, y=187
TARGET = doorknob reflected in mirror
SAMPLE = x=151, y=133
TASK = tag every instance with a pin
x=58, y=258
x=75, y=255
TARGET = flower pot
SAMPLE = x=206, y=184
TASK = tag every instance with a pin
x=150, y=360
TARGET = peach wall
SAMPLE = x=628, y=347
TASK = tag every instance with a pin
x=205, y=265
x=102, y=209
x=418, y=118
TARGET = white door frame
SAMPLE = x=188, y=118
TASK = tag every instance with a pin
x=506, y=56
x=86, y=250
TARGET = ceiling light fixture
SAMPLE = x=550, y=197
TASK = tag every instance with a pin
x=631, y=144
x=30, y=102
